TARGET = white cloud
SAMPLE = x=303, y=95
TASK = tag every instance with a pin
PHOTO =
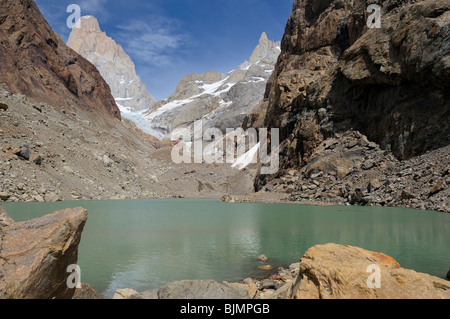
x=92, y=6
x=154, y=41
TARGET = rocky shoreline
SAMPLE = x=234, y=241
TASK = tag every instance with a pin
x=348, y=169
x=327, y=271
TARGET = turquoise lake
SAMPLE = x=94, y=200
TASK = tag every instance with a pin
x=144, y=244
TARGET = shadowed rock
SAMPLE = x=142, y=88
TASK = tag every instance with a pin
x=335, y=74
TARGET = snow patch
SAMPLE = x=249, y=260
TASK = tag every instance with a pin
x=222, y=103
x=257, y=79
x=248, y=158
x=123, y=109
x=168, y=107
x=211, y=89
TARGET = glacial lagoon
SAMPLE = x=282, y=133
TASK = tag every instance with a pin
x=144, y=244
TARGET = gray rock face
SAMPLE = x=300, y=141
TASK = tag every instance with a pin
x=114, y=65
x=201, y=289
x=220, y=100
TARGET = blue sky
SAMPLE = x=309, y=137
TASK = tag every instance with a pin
x=169, y=39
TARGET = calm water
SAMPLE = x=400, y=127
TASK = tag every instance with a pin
x=143, y=244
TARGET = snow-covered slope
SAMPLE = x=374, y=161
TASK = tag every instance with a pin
x=220, y=100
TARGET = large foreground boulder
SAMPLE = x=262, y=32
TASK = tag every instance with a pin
x=35, y=255
x=343, y=272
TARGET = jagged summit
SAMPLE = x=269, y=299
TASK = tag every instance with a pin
x=263, y=38
x=114, y=64
x=263, y=48
x=88, y=23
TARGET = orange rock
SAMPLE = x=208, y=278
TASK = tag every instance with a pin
x=334, y=271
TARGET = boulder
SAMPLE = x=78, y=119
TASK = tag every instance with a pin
x=341, y=164
x=25, y=152
x=249, y=285
x=36, y=158
x=227, y=199
x=265, y=267
x=201, y=289
x=126, y=294
x=407, y=195
x=334, y=271
x=149, y=294
x=3, y=107
x=284, y=292
x=35, y=255
x=86, y=292
x=374, y=185
x=294, y=266
x=269, y=284
x=437, y=188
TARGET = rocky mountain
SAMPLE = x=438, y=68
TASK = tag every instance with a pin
x=335, y=73
x=60, y=134
x=390, y=84
x=114, y=65
x=35, y=62
x=220, y=100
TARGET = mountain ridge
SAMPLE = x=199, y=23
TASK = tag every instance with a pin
x=38, y=64
x=221, y=100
